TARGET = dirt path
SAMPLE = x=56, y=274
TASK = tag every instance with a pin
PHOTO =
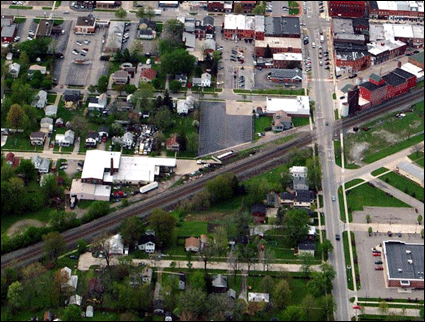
x=22, y=225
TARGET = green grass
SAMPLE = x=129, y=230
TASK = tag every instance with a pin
x=64, y=113
x=372, y=317
x=379, y=171
x=21, y=142
x=270, y=178
x=349, y=274
x=46, y=8
x=261, y=123
x=58, y=4
x=336, y=114
x=284, y=139
x=388, y=135
x=338, y=162
x=294, y=11
x=51, y=98
x=353, y=183
x=20, y=20
x=418, y=158
x=300, y=121
x=403, y=184
x=41, y=215
x=192, y=228
x=399, y=306
x=21, y=7
x=376, y=299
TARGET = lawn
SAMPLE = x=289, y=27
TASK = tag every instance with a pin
x=418, y=158
x=403, y=184
x=387, y=135
x=270, y=178
x=21, y=142
x=347, y=260
x=64, y=113
x=192, y=228
x=41, y=215
x=338, y=162
x=51, y=98
x=261, y=123
x=300, y=121
x=379, y=171
x=353, y=183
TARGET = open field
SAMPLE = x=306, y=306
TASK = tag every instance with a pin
x=405, y=185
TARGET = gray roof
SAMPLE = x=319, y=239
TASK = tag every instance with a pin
x=189, y=39
x=47, y=120
x=72, y=95
x=295, y=73
x=208, y=20
x=412, y=169
x=51, y=110
x=8, y=31
x=219, y=281
x=274, y=26
x=398, y=255
x=307, y=245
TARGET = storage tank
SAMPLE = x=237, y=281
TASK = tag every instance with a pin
x=343, y=109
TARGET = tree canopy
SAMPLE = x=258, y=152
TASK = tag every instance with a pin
x=177, y=62
x=295, y=224
x=164, y=226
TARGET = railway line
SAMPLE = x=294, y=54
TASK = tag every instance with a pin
x=248, y=167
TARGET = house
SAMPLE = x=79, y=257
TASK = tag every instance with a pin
x=219, y=284
x=99, y=102
x=51, y=110
x=59, y=122
x=40, y=100
x=147, y=74
x=185, y=106
x=71, y=97
x=8, y=33
x=46, y=124
x=299, y=175
x=75, y=299
x=14, y=69
x=146, y=275
x=286, y=75
x=91, y=139
x=37, y=138
x=147, y=34
x=158, y=307
x=115, y=245
x=128, y=140
x=147, y=243
x=206, y=80
x=172, y=144
x=258, y=210
x=231, y=293
x=286, y=198
x=281, y=121
x=103, y=131
x=66, y=139
x=120, y=77
x=72, y=281
x=192, y=244
x=258, y=297
x=208, y=21
x=182, y=78
x=182, y=281
x=33, y=68
x=89, y=311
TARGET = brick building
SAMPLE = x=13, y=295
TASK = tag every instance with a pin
x=277, y=45
x=85, y=25
x=410, y=10
x=243, y=27
x=44, y=28
x=417, y=60
x=348, y=9
x=282, y=27
x=247, y=6
x=287, y=60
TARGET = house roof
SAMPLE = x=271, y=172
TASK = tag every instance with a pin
x=258, y=208
x=393, y=79
x=403, y=73
x=59, y=120
x=71, y=95
x=51, y=109
x=146, y=239
x=371, y=87
x=307, y=245
x=258, y=297
x=46, y=120
x=181, y=77
x=192, y=242
x=85, y=21
x=286, y=196
x=182, y=277
x=121, y=74
x=38, y=134
x=375, y=77
x=219, y=281
x=103, y=128
x=347, y=88
x=44, y=28
x=8, y=31
x=295, y=73
x=305, y=195
x=208, y=20
x=172, y=141
x=116, y=245
x=147, y=32
x=231, y=293
x=419, y=57
x=148, y=73
x=92, y=135
x=149, y=23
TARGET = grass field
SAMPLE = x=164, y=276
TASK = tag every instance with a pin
x=379, y=171
x=261, y=123
x=403, y=184
x=348, y=267
x=41, y=215
x=353, y=183
x=387, y=135
x=300, y=121
x=51, y=98
x=418, y=158
x=338, y=161
x=21, y=142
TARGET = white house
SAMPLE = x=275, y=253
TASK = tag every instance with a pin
x=299, y=175
x=41, y=164
x=89, y=311
x=40, y=100
x=75, y=299
x=147, y=244
x=115, y=245
x=98, y=102
x=258, y=297
x=185, y=106
x=72, y=279
x=51, y=110
x=46, y=124
x=14, y=70
x=66, y=139
x=128, y=139
x=206, y=80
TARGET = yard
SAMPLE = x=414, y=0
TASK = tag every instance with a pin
x=261, y=123
x=405, y=185
x=418, y=158
x=348, y=261
x=21, y=142
x=386, y=136
x=300, y=121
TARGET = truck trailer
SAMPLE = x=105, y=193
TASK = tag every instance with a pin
x=149, y=187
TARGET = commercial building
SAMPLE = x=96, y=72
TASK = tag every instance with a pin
x=412, y=172
x=44, y=28
x=277, y=45
x=299, y=106
x=396, y=10
x=114, y=40
x=287, y=60
x=417, y=59
x=404, y=264
x=85, y=25
x=282, y=27
x=287, y=76
x=347, y=9
x=238, y=27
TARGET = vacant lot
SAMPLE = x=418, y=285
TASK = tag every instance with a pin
x=386, y=136
x=404, y=184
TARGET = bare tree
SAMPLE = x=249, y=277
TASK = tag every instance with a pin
x=103, y=245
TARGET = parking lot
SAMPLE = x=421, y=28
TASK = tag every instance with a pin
x=372, y=281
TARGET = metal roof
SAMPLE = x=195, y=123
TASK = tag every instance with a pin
x=404, y=261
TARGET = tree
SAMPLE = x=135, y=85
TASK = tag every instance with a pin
x=295, y=225
x=328, y=306
x=419, y=219
x=164, y=226
x=220, y=187
x=130, y=88
x=140, y=13
x=259, y=9
x=27, y=170
x=292, y=313
x=175, y=86
x=163, y=119
x=177, y=62
x=80, y=125
x=98, y=209
x=36, y=79
x=15, y=117
x=142, y=97
x=181, y=139
x=268, y=53
x=81, y=246
x=238, y=8
x=314, y=174
x=131, y=230
x=91, y=88
x=267, y=284
x=309, y=305
x=281, y=294
x=102, y=84
x=61, y=220
x=149, y=12
x=50, y=187
x=370, y=231
x=37, y=48
x=286, y=177
x=221, y=242
x=22, y=93
x=247, y=253
x=72, y=313
x=368, y=219
x=307, y=261
x=24, y=60
x=383, y=307
x=15, y=295
x=205, y=254
x=119, y=88
x=321, y=282
x=54, y=245
x=192, y=304
x=172, y=31
x=326, y=247
x=120, y=13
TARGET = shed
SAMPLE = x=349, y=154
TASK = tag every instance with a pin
x=89, y=311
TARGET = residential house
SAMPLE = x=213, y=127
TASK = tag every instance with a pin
x=219, y=284
x=258, y=297
x=189, y=40
x=40, y=100
x=204, y=241
x=281, y=121
x=66, y=139
x=14, y=69
x=37, y=138
x=192, y=244
x=146, y=275
x=115, y=245
x=258, y=210
x=304, y=198
x=231, y=293
x=8, y=33
x=51, y=110
x=99, y=102
x=128, y=140
x=46, y=124
x=185, y=106
x=206, y=80
x=147, y=34
x=306, y=247
x=75, y=299
x=92, y=139
x=71, y=97
x=72, y=280
x=286, y=198
x=120, y=77
x=103, y=131
x=172, y=144
x=36, y=67
x=182, y=281
x=59, y=122
x=299, y=175
x=147, y=243
x=182, y=78
x=147, y=74
x=145, y=23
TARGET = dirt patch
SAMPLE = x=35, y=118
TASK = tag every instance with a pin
x=22, y=225
x=356, y=152
x=206, y=217
x=415, y=124
x=386, y=136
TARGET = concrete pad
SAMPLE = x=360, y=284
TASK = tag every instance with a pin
x=186, y=167
x=239, y=108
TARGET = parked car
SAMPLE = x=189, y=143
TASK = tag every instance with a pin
x=80, y=163
x=379, y=268
x=74, y=256
x=333, y=198
x=337, y=237
x=63, y=167
x=378, y=262
x=377, y=254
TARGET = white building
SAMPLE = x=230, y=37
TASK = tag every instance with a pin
x=72, y=279
x=258, y=297
x=115, y=245
x=185, y=106
x=51, y=110
x=14, y=70
x=98, y=102
x=66, y=139
x=299, y=106
x=299, y=175
x=88, y=191
x=412, y=172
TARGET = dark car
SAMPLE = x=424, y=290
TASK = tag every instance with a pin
x=80, y=163
x=74, y=256
x=378, y=262
x=337, y=237
x=352, y=76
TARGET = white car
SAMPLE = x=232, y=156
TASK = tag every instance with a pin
x=63, y=167
x=86, y=42
x=17, y=38
x=75, y=52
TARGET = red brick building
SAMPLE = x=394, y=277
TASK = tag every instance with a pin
x=246, y=5
x=243, y=27
x=354, y=60
x=347, y=9
x=215, y=6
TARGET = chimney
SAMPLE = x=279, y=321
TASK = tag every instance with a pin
x=112, y=166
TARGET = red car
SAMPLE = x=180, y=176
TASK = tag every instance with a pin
x=379, y=268
x=357, y=307
x=377, y=254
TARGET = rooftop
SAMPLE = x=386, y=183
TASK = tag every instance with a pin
x=404, y=261
x=412, y=169
x=85, y=21
x=278, y=42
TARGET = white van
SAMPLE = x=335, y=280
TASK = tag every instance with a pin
x=313, y=44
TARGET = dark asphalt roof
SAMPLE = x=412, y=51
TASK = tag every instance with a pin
x=286, y=73
x=307, y=245
x=393, y=79
x=305, y=195
x=402, y=73
x=258, y=207
x=286, y=196
x=373, y=5
x=397, y=256
x=370, y=86
x=282, y=26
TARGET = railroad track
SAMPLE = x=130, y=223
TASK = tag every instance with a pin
x=259, y=163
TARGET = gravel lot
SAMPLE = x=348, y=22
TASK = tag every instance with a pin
x=219, y=130
x=386, y=215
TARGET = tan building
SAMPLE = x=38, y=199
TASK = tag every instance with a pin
x=85, y=25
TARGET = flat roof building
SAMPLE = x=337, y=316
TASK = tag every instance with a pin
x=44, y=28
x=299, y=106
